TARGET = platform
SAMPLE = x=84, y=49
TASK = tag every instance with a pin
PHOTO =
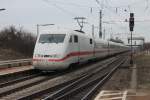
x=14, y=70
x=112, y=95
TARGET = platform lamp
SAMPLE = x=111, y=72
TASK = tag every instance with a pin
x=2, y=9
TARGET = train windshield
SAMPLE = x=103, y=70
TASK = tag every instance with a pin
x=52, y=38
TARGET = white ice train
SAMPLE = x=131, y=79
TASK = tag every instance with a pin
x=57, y=50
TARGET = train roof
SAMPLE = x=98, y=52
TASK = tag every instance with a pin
x=65, y=31
x=79, y=33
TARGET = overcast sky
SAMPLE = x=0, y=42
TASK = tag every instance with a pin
x=28, y=13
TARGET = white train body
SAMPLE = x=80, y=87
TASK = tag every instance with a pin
x=57, y=50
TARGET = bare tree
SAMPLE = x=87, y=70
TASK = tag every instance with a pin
x=17, y=39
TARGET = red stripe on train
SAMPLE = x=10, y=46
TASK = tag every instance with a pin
x=72, y=54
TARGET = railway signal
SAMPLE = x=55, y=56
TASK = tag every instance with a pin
x=131, y=26
x=131, y=22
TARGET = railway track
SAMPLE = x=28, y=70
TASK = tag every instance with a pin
x=71, y=84
x=15, y=89
x=13, y=78
x=18, y=75
x=85, y=87
x=57, y=85
x=11, y=82
x=72, y=89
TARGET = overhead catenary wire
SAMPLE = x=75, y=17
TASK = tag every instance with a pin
x=59, y=5
x=121, y=21
x=60, y=8
x=98, y=1
x=131, y=4
x=70, y=4
x=101, y=3
x=105, y=4
x=116, y=22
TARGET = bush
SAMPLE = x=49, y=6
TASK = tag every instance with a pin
x=18, y=40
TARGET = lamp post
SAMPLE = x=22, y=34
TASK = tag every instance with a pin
x=38, y=25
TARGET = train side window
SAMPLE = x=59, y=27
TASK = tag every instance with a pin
x=91, y=41
x=76, y=39
x=70, y=40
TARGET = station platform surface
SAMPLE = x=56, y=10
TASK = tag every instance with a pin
x=112, y=95
x=12, y=70
x=122, y=95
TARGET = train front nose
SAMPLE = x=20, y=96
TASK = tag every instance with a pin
x=49, y=63
x=49, y=50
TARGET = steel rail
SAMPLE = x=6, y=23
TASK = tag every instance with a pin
x=18, y=60
x=26, y=84
x=68, y=87
x=93, y=91
x=75, y=90
x=19, y=80
x=41, y=92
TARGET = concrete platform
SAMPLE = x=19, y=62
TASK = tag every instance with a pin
x=14, y=70
x=139, y=88
x=122, y=95
x=112, y=95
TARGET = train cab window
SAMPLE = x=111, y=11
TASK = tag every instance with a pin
x=52, y=38
x=70, y=40
x=75, y=39
x=91, y=41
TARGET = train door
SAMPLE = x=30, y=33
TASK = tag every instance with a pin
x=108, y=49
x=82, y=48
x=76, y=48
x=92, y=46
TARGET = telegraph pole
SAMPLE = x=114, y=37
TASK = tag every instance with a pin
x=131, y=61
x=37, y=29
x=104, y=34
x=93, y=31
x=100, y=24
x=93, y=37
x=100, y=16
